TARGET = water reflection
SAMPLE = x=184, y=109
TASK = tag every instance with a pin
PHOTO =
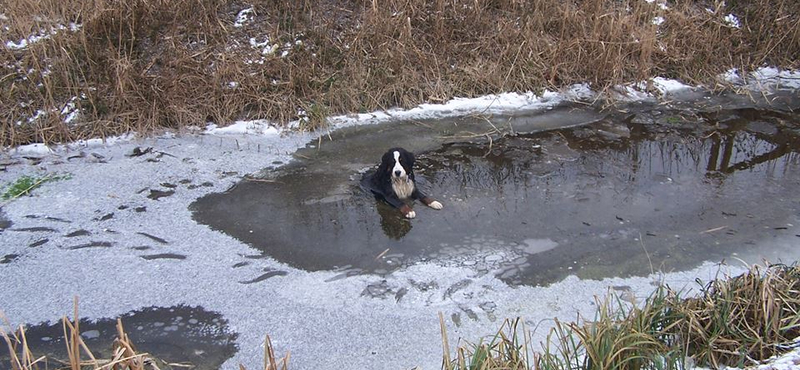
x=393, y=224
x=601, y=195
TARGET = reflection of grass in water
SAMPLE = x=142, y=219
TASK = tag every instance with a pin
x=672, y=256
x=25, y=184
x=631, y=265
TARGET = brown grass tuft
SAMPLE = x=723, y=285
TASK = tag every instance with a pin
x=744, y=319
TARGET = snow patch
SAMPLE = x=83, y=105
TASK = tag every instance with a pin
x=732, y=21
x=34, y=149
x=732, y=76
x=243, y=17
x=255, y=127
x=662, y=4
x=265, y=46
x=97, y=142
x=665, y=86
x=491, y=104
x=639, y=91
x=42, y=35
x=764, y=78
x=787, y=361
x=43, y=149
x=39, y=113
x=70, y=110
x=627, y=93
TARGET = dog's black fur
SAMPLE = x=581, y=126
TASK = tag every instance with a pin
x=386, y=184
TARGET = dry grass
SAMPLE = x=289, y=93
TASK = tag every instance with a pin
x=144, y=65
x=736, y=321
x=621, y=336
x=505, y=350
x=742, y=320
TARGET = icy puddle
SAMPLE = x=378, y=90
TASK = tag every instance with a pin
x=571, y=191
x=186, y=337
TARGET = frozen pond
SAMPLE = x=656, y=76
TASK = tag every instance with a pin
x=203, y=244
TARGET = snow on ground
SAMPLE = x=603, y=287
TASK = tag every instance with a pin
x=243, y=17
x=254, y=127
x=41, y=35
x=787, y=361
x=763, y=79
x=489, y=104
x=732, y=20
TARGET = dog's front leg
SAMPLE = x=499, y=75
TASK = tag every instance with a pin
x=426, y=200
x=407, y=211
x=432, y=203
x=402, y=206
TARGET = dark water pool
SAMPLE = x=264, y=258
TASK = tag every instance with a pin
x=622, y=193
x=190, y=336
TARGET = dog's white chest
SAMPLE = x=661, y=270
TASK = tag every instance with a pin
x=403, y=188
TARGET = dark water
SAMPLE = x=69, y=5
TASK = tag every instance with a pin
x=623, y=194
x=181, y=334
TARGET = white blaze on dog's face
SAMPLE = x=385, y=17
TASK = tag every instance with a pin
x=398, y=172
x=402, y=185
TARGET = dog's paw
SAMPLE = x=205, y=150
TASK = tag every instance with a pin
x=411, y=214
x=435, y=205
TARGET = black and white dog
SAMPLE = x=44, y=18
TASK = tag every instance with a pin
x=394, y=182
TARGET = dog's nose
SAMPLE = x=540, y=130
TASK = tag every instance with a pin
x=397, y=173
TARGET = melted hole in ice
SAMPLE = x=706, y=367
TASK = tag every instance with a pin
x=158, y=194
x=611, y=198
x=161, y=256
x=172, y=334
x=92, y=244
x=8, y=258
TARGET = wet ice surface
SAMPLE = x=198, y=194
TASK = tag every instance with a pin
x=188, y=335
x=623, y=195
x=138, y=251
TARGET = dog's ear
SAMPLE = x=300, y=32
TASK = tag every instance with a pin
x=385, y=165
x=410, y=160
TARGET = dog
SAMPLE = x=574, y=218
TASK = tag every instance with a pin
x=394, y=182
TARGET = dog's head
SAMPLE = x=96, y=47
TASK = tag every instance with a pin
x=397, y=163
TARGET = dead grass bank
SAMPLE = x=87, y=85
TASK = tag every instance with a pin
x=149, y=64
